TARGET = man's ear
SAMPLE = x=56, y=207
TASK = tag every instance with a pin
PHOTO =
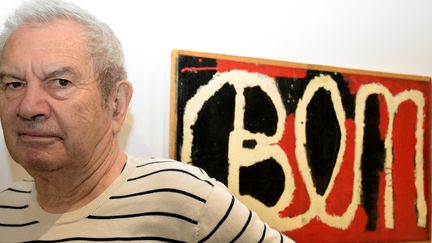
x=120, y=99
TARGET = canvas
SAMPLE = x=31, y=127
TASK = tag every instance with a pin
x=321, y=153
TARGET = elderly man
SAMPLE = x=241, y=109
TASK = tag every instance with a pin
x=63, y=99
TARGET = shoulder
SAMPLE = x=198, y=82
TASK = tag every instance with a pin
x=162, y=163
x=162, y=169
x=168, y=180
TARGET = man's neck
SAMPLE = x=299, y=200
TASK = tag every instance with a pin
x=62, y=192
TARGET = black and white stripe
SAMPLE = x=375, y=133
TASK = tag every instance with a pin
x=158, y=200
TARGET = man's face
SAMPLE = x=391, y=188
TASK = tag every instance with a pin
x=50, y=102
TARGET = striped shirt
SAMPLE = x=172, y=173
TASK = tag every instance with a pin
x=152, y=200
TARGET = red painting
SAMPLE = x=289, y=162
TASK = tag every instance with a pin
x=323, y=154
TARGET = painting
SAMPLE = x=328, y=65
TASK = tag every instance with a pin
x=323, y=154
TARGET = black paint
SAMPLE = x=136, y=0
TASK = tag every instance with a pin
x=292, y=89
x=323, y=139
x=372, y=161
x=263, y=181
x=249, y=143
x=189, y=82
x=260, y=113
x=211, y=133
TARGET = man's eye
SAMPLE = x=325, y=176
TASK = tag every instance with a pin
x=13, y=85
x=62, y=82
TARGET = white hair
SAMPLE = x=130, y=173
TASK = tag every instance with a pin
x=103, y=47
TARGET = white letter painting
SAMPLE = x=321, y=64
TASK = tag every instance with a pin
x=323, y=154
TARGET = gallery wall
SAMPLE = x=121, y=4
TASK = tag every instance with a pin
x=388, y=35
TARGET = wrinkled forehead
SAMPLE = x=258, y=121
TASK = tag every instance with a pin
x=58, y=33
x=38, y=49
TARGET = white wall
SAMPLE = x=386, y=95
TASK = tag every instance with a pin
x=385, y=35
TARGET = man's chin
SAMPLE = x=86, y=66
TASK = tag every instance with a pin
x=38, y=164
x=38, y=168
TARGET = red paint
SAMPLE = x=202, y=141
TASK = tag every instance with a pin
x=301, y=200
x=403, y=168
x=394, y=85
x=197, y=69
x=269, y=70
x=341, y=196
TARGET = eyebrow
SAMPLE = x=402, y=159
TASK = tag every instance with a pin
x=6, y=75
x=59, y=73
x=55, y=73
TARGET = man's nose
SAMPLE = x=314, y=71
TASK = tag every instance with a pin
x=33, y=103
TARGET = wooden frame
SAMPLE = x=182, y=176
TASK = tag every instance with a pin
x=321, y=153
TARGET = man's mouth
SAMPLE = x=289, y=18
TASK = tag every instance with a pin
x=38, y=137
